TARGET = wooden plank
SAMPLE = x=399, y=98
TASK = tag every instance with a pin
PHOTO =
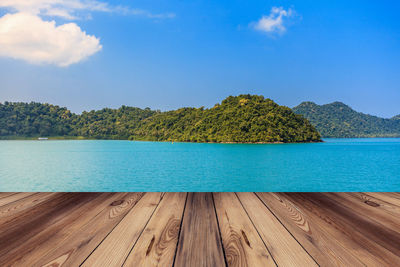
x=285, y=250
x=242, y=244
x=348, y=228
x=157, y=244
x=65, y=229
x=199, y=240
x=6, y=194
x=393, y=195
x=33, y=227
x=324, y=248
x=117, y=245
x=381, y=231
x=373, y=209
x=387, y=197
x=378, y=201
x=14, y=197
x=39, y=244
x=73, y=243
x=14, y=208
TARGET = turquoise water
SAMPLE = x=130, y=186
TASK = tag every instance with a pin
x=336, y=165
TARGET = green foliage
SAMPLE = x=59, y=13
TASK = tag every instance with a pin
x=34, y=119
x=110, y=123
x=244, y=118
x=339, y=120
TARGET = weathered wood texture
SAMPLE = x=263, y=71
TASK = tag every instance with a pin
x=89, y=231
x=199, y=229
x=117, y=245
x=157, y=245
x=200, y=241
x=243, y=246
x=285, y=250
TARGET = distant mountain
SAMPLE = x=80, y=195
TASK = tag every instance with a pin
x=244, y=118
x=339, y=120
x=396, y=117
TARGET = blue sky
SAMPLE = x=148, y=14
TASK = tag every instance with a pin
x=168, y=54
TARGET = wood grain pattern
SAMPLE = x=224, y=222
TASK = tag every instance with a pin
x=324, y=247
x=285, y=250
x=117, y=245
x=18, y=206
x=157, y=244
x=377, y=214
x=37, y=246
x=386, y=197
x=334, y=219
x=72, y=244
x=30, y=229
x=243, y=246
x=378, y=230
x=394, y=196
x=6, y=194
x=199, y=229
x=199, y=241
x=11, y=197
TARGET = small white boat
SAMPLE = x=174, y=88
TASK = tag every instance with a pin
x=42, y=138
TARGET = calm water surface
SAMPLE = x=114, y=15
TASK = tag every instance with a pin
x=336, y=165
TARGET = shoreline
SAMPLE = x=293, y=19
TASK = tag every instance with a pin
x=52, y=138
x=55, y=138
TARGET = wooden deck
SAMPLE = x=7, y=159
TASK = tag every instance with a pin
x=199, y=229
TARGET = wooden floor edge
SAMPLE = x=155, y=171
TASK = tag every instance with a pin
x=200, y=229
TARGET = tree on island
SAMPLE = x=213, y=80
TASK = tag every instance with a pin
x=243, y=118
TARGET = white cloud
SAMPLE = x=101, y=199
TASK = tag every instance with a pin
x=71, y=9
x=66, y=9
x=274, y=22
x=29, y=32
x=28, y=37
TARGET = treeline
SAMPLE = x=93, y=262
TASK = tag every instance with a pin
x=35, y=119
x=244, y=118
x=341, y=121
x=22, y=119
x=110, y=123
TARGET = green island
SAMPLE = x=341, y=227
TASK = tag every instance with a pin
x=237, y=119
x=341, y=121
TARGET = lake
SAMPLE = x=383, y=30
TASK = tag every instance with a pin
x=93, y=165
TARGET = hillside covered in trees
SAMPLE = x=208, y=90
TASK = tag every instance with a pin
x=339, y=120
x=33, y=119
x=244, y=118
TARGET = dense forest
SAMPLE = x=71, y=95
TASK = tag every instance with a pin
x=33, y=119
x=110, y=123
x=244, y=118
x=339, y=120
